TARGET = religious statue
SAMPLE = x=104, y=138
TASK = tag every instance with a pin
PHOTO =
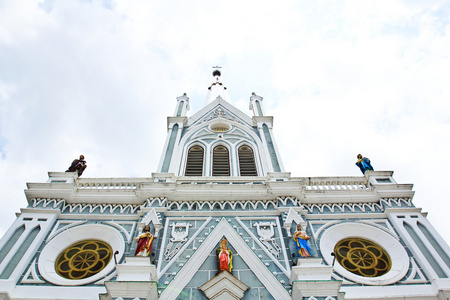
x=301, y=242
x=78, y=165
x=224, y=256
x=145, y=241
x=364, y=164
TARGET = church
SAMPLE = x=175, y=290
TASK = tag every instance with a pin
x=222, y=219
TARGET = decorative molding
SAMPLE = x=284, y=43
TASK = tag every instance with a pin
x=232, y=204
x=266, y=236
x=224, y=286
x=359, y=207
x=86, y=208
x=285, y=201
x=415, y=271
x=285, y=269
x=180, y=232
x=31, y=275
x=290, y=217
x=49, y=254
x=220, y=112
x=151, y=216
x=127, y=234
x=57, y=231
x=396, y=251
x=155, y=202
x=174, y=258
x=198, y=205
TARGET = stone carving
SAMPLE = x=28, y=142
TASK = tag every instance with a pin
x=266, y=236
x=221, y=113
x=180, y=232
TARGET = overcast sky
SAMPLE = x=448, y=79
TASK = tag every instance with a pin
x=340, y=78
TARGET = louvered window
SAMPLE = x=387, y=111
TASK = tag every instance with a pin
x=194, y=165
x=221, y=162
x=247, y=165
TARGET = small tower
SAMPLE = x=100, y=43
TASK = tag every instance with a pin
x=220, y=140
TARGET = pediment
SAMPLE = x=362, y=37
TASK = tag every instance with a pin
x=219, y=108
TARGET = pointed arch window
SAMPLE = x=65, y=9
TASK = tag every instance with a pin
x=221, y=161
x=194, y=164
x=247, y=164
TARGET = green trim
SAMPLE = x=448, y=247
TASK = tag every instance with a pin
x=434, y=264
x=169, y=151
x=11, y=242
x=270, y=146
x=20, y=253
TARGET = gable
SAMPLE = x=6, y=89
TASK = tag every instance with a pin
x=215, y=109
x=224, y=229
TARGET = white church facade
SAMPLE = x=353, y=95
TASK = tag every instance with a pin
x=221, y=178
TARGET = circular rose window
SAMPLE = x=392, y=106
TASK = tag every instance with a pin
x=362, y=257
x=83, y=259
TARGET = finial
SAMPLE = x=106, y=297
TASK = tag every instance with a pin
x=216, y=72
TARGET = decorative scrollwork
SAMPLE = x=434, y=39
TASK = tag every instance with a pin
x=362, y=257
x=83, y=259
x=266, y=236
x=180, y=232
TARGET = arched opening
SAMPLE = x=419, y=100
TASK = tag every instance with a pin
x=221, y=161
x=247, y=166
x=194, y=164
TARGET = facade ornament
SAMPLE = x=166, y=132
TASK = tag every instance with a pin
x=155, y=218
x=180, y=232
x=266, y=236
x=292, y=216
x=145, y=241
x=221, y=113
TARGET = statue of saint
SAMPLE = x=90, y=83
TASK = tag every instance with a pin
x=364, y=164
x=301, y=242
x=145, y=241
x=224, y=256
x=78, y=165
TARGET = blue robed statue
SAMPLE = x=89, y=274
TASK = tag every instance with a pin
x=364, y=164
x=301, y=242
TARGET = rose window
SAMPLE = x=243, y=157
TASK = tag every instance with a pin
x=83, y=259
x=362, y=257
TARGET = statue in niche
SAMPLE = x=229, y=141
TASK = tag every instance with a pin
x=363, y=163
x=78, y=165
x=224, y=256
x=145, y=241
x=301, y=242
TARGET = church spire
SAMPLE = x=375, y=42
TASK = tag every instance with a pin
x=217, y=89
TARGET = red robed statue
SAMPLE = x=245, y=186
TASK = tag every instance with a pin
x=145, y=241
x=224, y=256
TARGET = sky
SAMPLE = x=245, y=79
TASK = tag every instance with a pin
x=340, y=78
